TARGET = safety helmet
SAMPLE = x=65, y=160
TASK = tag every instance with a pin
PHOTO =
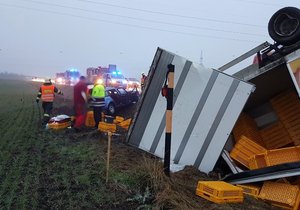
x=99, y=81
x=143, y=73
x=47, y=80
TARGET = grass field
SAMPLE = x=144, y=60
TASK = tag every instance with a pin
x=45, y=169
x=41, y=169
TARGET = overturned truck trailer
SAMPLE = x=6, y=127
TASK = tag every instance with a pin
x=206, y=105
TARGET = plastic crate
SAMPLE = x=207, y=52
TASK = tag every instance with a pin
x=219, y=192
x=125, y=124
x=287, y=108
x=246, y=126
x=244, y=149
x=240, y=157
x=275, y=157
x=284, y=100
x=107, y=127
x=248, y=189
x=280, y=194
x=258, y=161
x=57, y=125
x=275, y=136
x=118, y=119
x=89, y=120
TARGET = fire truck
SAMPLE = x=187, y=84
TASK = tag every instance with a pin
x=110, y=76
x=69, y=77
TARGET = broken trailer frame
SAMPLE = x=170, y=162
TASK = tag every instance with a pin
x=274, y=74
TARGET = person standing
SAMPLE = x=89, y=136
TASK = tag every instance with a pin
x=46, y=94
x=143, y=81
x=98, y=101
x=80, y=103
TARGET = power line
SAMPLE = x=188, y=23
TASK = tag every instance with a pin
x=125, y=24
x=260, y=2
x=170, y=14
x=142, y=19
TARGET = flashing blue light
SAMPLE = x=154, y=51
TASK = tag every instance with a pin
x=72, y=70
x=119, y=72
x=114, y=72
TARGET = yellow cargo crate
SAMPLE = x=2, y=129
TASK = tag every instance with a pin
x=125, y=124
x=280, y=194
x=284, y=99
x=244, y=149
x=107, y=127
x=287, y=107
x=275, y=157
x=118, y=119
x=219, y=192
x=246, y=126
x=89, y=120
x=258, y=161
x=240, y=157
x=57, y=126
x=275, y=136
x=249, y=189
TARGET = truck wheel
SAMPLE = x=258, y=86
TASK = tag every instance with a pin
x=111, y=108
x=284, y=26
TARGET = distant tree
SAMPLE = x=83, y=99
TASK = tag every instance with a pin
x=11, y=76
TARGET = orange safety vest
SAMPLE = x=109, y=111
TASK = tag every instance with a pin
x=47, y=93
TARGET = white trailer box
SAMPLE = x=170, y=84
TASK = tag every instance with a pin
x=206, y=105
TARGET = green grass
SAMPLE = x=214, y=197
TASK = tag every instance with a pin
x=46, y=169
x=41, y=169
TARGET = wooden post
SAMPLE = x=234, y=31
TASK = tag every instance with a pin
x=108, y=154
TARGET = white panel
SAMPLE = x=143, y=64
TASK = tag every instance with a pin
x=224, y=129
x=206, y=119
x=159, y=109
x=153, y=124
x=184, y=108
x=185, y=105
x=179, y=63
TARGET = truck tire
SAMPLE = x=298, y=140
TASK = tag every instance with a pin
x=284, y=26
x=111, y=109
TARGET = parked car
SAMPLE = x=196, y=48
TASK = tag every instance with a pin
x=119, y=97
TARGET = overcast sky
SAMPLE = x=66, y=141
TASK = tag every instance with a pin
x=43, y=37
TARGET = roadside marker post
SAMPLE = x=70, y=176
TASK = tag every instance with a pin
x=108, y=154
x=110, y=129
x=167, y=91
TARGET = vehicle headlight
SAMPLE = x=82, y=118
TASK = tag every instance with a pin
x=113, y=81
x=59, y=80
x=99, y=81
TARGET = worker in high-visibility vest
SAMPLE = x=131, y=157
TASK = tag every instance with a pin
x=46, y=94
x=98, y=100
